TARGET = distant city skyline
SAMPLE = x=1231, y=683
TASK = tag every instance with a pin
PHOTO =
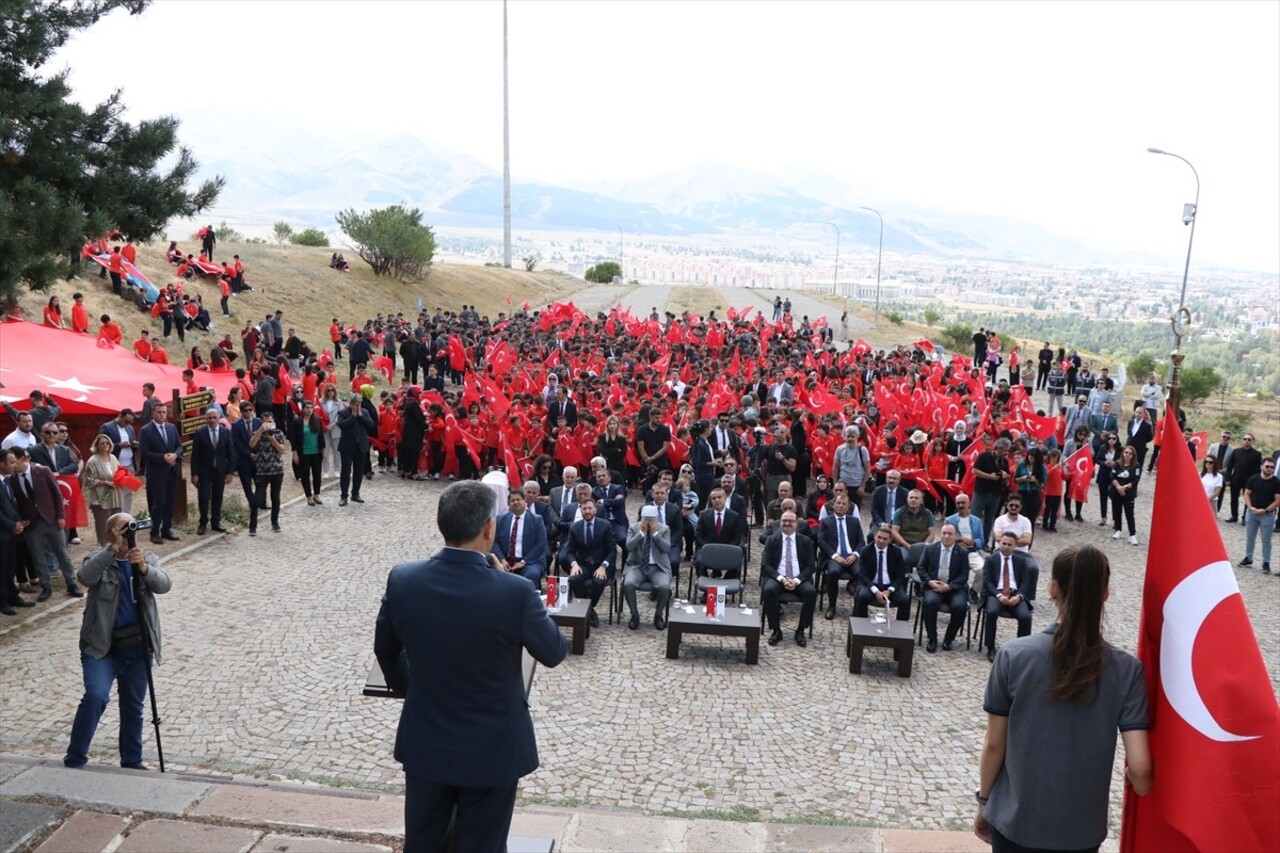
x=1041, y=111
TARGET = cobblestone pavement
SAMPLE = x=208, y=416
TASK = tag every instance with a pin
x=267, y=642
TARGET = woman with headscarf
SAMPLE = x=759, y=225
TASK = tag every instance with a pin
x=413, y=430
x=956, y=445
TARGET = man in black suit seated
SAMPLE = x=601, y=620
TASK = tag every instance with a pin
x=787, y=566
x=882, y=577
x=465, y=747
x=888, y=499
x=1005, y=576
x=720, y=525
x=589, y=552
x=669, y=514
x=839, y=539
x=944, y=576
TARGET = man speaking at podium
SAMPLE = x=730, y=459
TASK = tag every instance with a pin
x=450, y=636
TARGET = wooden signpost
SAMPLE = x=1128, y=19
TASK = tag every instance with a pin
x=188, y=413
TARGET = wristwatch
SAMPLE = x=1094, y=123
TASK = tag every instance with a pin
x=982, y=801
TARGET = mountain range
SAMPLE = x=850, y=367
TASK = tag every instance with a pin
x=305, y=179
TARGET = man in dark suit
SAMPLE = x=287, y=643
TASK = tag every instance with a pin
x=944, y=577
x=724, y=440
x=11, y=525
x=1006, y=589
x=39, y=499
x=589, y=552
x=706, y=466
x=670, y=515
x=162, y=448
x=882, y=577
x=465, y=747
x=521, y=540
x=840, y=538
x=611, y=502
x=1222, y=452
x=888, y=499
x=1140, y=432
x=787, y=565
x=355, y=426
x=562, y=406
x=212, y=467
x=718, y=524
x=1243, y=463
x=242, y=452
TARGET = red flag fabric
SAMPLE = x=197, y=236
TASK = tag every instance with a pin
x=1040, y=427
x=1200, y=441
x=1215, y=724
x=73, y=501
x=860, y=348
x=1080, y=464
x=125, y=479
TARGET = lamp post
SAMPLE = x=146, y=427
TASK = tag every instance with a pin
x=1181, y=320
x=506, y=151
x=879, y=256
x=622, y=259
x=835, y=275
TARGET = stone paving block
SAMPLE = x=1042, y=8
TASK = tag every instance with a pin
x=118, y=790
x=540, y=824
x=603, y=833
x=287, y=808
x=20, y=821
x=9, y=769
x=85, y=831
x=922, y=841
x=725, y=835
x=303, y=844
x=166, y=836
x=783, y=837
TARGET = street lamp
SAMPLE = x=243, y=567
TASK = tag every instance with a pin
x=879, y=256
x=1182, y=317
x=835, y=275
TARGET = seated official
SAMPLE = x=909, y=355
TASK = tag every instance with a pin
x=882, y=577
x=720, y=525
x=787, y=565
x=648, y=559
x=735, y=495
x=786, y=492
x=611, y=502
x=887, y=499
x=913, y=524
x=1004, y=575
x=571, y=511
x=944, y=579
x=521, y=542
x=837, y=489
x=588, y=552
x=839, y=540
x=669, y=513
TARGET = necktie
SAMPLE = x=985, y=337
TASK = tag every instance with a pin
x=588, y=534
x=1008, y=591
x=844, y=542
x=213, y=436
x=648, y=548
x=515, y=537
x=719, y=523
x=790, y=558
x=882, y=579
x=944, y=568
x=28, y=487
x=889, y=505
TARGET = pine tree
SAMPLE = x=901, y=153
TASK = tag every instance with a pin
x=68, y=174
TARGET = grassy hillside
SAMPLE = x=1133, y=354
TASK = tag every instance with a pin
x=298, y=281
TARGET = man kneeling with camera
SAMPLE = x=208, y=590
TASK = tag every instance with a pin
x=121, y=625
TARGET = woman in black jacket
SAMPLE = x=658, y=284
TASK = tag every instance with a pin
x=413, y=430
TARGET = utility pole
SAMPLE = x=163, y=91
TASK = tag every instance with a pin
x=506, y=149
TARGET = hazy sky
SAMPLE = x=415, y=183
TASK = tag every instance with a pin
x=1036, y=110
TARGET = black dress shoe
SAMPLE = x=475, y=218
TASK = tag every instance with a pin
x=138, y=766
x=592, y=619
x=830, y=614
x=22, y=602
x=634, y=623
x=218, y=528
x=659, y=621
x=801, y=639
x=342, y=502
x=931, y=646
x=946, y=646
x=171, y=536
x=28, y=588
x=357, y=499
x=8, y=611
x=775, y=637
x=75, y=592
x=156, y=540
x=44, y=595
x=991, y=655
x=202, y=530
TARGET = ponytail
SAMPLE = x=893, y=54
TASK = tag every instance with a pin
x=1082, y=576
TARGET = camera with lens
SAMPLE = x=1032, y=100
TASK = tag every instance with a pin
x=131, y=531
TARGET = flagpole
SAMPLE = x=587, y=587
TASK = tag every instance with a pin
x=879, y=256
x=1181, y=320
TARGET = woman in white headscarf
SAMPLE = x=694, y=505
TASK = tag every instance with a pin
x=956, y=445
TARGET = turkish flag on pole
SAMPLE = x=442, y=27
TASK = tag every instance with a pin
x=77, y=515
x=1080, y=464
x=1215, y=724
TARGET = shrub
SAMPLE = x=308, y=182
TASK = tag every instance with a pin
x=310, y=237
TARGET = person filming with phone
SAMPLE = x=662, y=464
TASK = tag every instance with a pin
x=120, y=625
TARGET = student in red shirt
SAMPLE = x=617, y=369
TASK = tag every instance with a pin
x=130, y=252
x=158, y=356
x=79, y=315
x=335, y=335
x=110, y=330
x=116, y=267
x=53, y=313
x=224, y=284
x=189, y=377
x=237, y=279
x=142, y=346
x=1054, y=488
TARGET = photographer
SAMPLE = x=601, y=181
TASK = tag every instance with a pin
x=122, y=582
x=269, y=448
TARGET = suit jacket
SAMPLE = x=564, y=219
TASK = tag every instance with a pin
x=59, y=460
x=895, y=565
x=993, y=569
x=241, y=451
x=636, y=557
x=568, y=515
x=47, y=503
x=732, y=528
x=611, y=504
x=733, y=444
x=355, y=430
x=208, y=460
x=569, y=409
x=1221, y=452
x=10, y=512
x=533, y=540
x=557, y=500
x=465, y=720
x=603, y=547
x=701, y=457
x=543, y=512
x=113, y=431
x=958, y=572
x=155, y=442
x=771, y=559
x=781, y=391
x=975, y=527
x=737, y=502
x=880, y=504
x=829, y=536
x=671, y=517
x=1142, y=437
x=1100, y=422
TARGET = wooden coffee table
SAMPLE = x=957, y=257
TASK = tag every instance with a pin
x=574, y=617
x=897, y=636
x=735, y=623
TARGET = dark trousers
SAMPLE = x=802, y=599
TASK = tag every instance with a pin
x=128, y=670
x=23, y=566
x=957, y=601
x=479, y=817
x=337, y=351
x=351, y=463
x=209, y=499
x=1235, y=499
x=1155, y=455
x=411, y=372
x=1052, y=503
x=226, y=312
x=409, y=456
x=1125, y=505
x=832, y=573
x=769, y=601
x=586, y=585
x=1031, y=501
x=8, y=573
x=1000, y=844
x=162, y=485
x=1022, y=613
x=166, y=317
x=247, y=484
x=899, y=598
x=309, y=473
x=117, y=286
x=267, y=486
x=1042, y=376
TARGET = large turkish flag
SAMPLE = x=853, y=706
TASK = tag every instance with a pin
x=1215, y=724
